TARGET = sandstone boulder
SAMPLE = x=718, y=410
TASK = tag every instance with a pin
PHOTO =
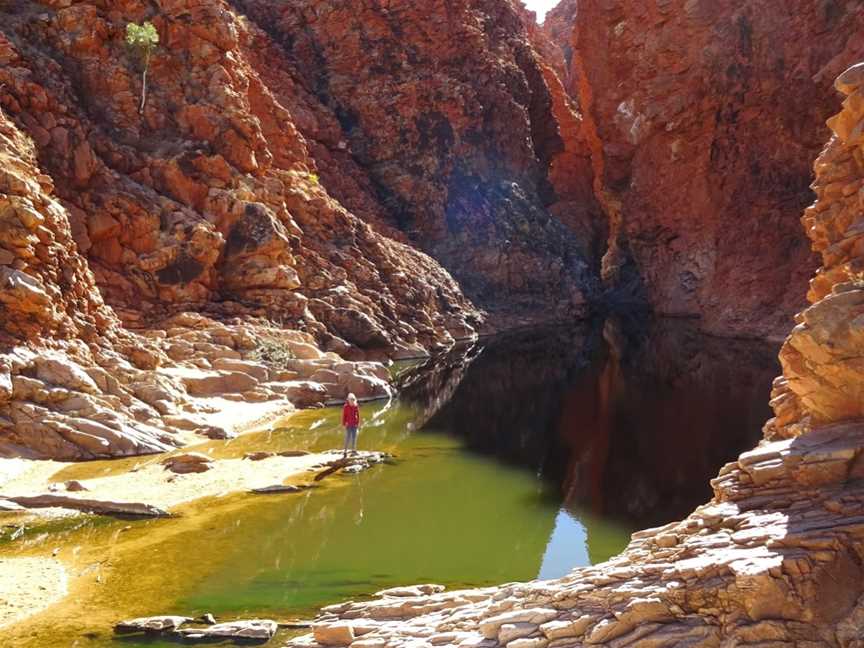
x=151, y=625
x=333, y=634
x=218, y=383
x=254, y=629
x=189, y=462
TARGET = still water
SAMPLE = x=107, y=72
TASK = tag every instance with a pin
x=515, y=458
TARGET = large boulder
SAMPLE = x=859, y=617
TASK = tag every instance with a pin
x=188, y=462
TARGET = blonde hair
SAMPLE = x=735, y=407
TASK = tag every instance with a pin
x=352, y=399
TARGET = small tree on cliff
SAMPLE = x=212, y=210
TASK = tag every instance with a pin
x=143, y=40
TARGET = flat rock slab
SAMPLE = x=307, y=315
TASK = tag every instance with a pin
x=151, y=625
x=258, y=629
x=89, y=506
x=259, y=456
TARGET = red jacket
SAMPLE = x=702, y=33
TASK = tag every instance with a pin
x=351, y=415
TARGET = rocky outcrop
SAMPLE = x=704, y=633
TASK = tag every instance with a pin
x=451, y=117
x=821, y=380
x=201, y=222
x=210, y=198
x=702, y=119
x=773, y=560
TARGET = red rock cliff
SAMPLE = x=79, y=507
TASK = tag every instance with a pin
x=204, y=223
x=210, y=197
x=457, y=123
x=703, y=118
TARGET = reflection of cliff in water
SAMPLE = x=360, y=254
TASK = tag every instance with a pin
x=630, y=418
x=429, y=384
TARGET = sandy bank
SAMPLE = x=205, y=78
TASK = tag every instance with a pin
x=150, y=483
x=28, y=586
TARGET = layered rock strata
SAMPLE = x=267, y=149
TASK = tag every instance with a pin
x=75, y=385
x=462, y=133
x=210, y=198
x=775, y=559
x=203, y=224
x=703, y=119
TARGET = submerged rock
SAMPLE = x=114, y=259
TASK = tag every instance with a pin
x=414, y=590
x=89, y=506
x=278, y=488
x=253, y=629
x=353, y=463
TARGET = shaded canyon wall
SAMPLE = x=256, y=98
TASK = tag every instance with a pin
x=703, y=119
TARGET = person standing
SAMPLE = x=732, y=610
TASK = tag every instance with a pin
x=351, y=423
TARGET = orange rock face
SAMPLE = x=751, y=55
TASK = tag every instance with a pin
x=46, y=287
x=449, y=112
x=703, y=119
x=822, y=371
x=211, y=198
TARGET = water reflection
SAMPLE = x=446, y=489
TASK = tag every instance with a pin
x=518, y=457
x=628, y=418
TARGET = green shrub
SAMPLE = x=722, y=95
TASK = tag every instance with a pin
x=272, y=352
x=143, y=40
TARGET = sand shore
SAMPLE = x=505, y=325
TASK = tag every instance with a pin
x=28, y=586
x=31, y=583
x=147, y=481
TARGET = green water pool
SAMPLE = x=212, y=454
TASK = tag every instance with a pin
x=512, y=461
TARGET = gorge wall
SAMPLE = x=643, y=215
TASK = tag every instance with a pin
x=209, y=200
x=775, y=559
x=447, y=109
x=369, y=180
x=201, y=223
x=703, y=119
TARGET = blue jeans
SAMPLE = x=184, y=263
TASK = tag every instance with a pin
x=350, y=438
